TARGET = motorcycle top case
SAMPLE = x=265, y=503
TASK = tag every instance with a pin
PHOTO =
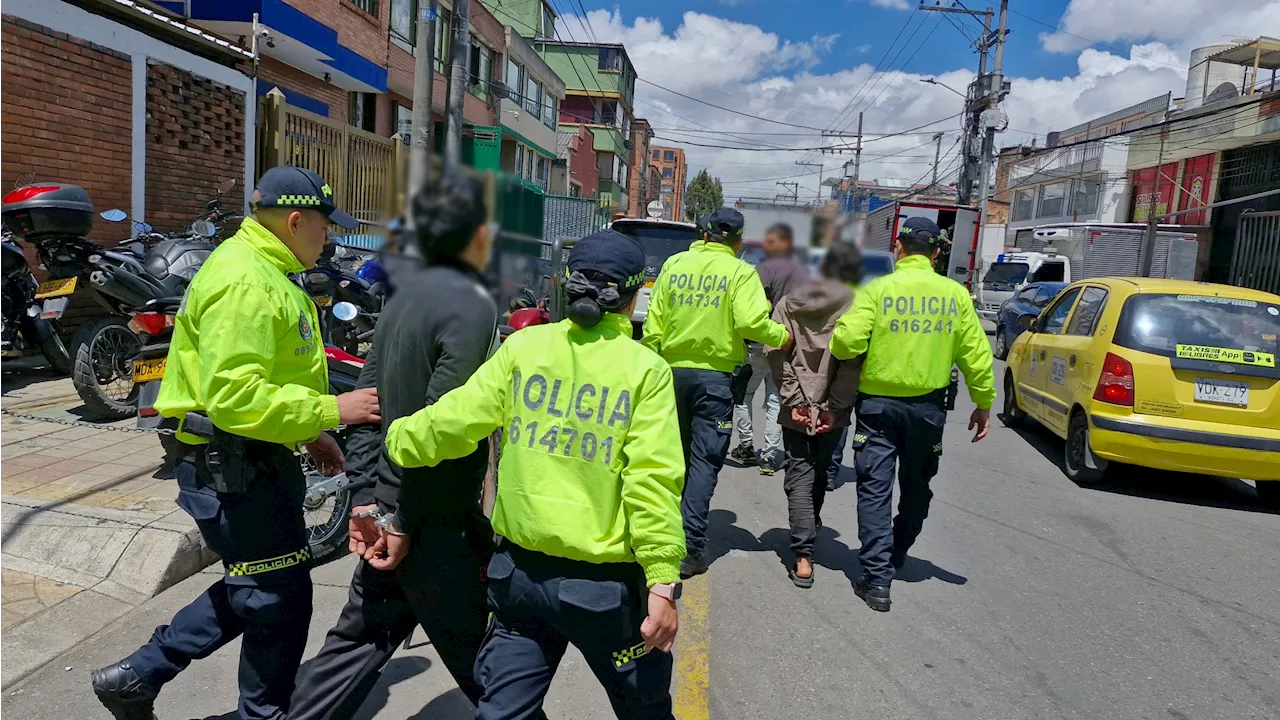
x=48, y=209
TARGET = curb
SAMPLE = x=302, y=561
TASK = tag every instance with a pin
x=121, y=558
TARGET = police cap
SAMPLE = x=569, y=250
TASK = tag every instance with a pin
x=723, y=224
x=301, y=189
x=608, y=257
x=921, y=230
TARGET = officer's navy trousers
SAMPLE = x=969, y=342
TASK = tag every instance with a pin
x=269, y=608
x=704, y=403
x=438, y=586
x=906, y=431
x=541, y=604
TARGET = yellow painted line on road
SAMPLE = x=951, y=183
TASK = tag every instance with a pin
x=693, y=652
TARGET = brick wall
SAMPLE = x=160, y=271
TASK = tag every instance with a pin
x=67, y=116
x=357, y=29
x=582, y=164
x=273, y=72
x=195, y=141
x=484, y=24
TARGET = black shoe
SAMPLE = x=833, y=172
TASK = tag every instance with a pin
x=693, y=564
x=767, y=465
x=831, y=484
x=744, y=454
x=876, y=596
x=123, y=692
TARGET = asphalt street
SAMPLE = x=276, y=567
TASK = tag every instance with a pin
x=1149, y=596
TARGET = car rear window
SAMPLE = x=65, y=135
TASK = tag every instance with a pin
x=659, y=242
x=874, y=266
x=1201, y=327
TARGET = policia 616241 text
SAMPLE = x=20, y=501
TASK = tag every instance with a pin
x=247, y=384
x=913, y=326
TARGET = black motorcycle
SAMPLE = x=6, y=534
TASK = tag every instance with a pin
x=328, y=500
x=344, y=275
x=56, y=218
x=25, y=325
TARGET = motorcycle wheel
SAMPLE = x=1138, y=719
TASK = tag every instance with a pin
x=326, y=517
x=103, y=370
x=55, y=351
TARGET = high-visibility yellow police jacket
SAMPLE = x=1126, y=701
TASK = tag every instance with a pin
x=246, y=347
x=591, y=467
x=704, y=303
x=914, y=325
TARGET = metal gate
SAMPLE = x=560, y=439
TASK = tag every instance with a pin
x=1256, y=260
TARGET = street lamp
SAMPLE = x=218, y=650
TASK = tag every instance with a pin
x=932, y=81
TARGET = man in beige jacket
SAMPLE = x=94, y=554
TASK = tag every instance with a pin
x=817, y=393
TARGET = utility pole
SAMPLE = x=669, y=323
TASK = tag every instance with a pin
x=819, y=166
x=857, y=168
x=423, y=85
x=937, y=155
x=1149, y=240
x=461, y=48
x=996, y=88
x=795, y=190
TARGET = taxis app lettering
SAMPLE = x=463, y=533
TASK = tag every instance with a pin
x=561, y=417
x=920, y=314
x=693, y=290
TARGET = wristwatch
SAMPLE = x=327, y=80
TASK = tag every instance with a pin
x=670, y=591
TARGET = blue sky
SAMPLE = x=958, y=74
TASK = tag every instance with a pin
x=779, y=64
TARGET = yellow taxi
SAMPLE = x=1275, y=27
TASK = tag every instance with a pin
x=1167, y=374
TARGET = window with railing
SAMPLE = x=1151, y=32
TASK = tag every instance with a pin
x=532, y=96
x=542, y=172
x=402, y=30
x=444, y=41
x=515, y=81
x=550, y=110
x=369, y=6
x=481, y=69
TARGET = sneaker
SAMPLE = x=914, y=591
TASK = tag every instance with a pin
x=768, y=465
x=744, y=454
x=123, y=692
x=875, y=596
x=693, y=564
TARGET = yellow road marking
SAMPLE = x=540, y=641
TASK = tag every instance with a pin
x=693, y=652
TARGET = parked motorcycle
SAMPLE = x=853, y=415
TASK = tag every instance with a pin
x=56, y=218
x=343, y=275
x=24, y=324
x=328, y=500
x=526, y=309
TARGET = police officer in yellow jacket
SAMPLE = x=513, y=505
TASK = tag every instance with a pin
x=704, y=304
x=913, y=325
x=588, y=493
x=247, y=383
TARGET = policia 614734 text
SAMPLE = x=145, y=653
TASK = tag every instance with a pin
x=705, y=302
x=246, y=385
x=913, y=325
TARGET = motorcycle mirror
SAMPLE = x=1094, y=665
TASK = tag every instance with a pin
x=113, y=215
x=226, y=186
x=145, y=227
x=345, y=311
x=204, y=228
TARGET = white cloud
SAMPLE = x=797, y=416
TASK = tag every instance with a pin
x=743, y=67
x=895, y=4
x=863, y=48
x=1184, y=24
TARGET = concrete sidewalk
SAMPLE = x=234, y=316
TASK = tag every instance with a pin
x=414, y=685
x=90, y=528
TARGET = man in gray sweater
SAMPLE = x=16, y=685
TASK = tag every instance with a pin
x=780, y=274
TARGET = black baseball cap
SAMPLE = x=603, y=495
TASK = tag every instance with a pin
x=611, y=257
x=923, y=229
x=294, y=187
x=723, y=223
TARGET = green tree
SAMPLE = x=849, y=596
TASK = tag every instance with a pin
x=703, y=196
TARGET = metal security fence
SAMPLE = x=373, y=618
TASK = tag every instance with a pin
x=1256, y=261
x=569, y=217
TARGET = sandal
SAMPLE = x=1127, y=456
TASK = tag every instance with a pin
x=797, y=580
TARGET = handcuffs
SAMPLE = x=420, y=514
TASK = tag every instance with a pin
x=387, y=521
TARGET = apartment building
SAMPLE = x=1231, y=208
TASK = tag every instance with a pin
x=670, y=163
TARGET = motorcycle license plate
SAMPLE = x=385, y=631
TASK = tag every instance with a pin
x=324, y=300
x=147, y=370
x=56, y=288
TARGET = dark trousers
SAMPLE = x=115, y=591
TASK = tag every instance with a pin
x=808, y=457
x=837, y=458
x=266, y=595
x=704, y=403
x=540, y=605
x=438, y=586
x=906, y=432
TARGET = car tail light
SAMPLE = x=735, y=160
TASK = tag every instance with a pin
x=1115, y=384
x=151, y=323
x=28, y=192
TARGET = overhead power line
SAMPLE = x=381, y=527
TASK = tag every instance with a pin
x=730, y=110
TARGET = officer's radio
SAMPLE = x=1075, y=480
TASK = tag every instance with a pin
x=952, y=390
x=224, y=456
